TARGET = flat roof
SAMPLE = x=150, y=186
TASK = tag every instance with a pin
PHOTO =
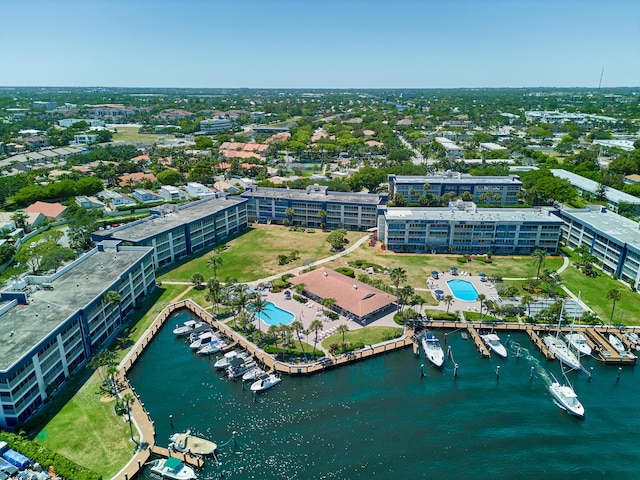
x=351, y=295
x=455, y=178
x=48, y=309
x=313, y=195
x=155, y=225
x=479, y=215
x=592, y=186
x=616, y=226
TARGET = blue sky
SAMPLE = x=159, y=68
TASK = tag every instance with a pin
x=320, y=44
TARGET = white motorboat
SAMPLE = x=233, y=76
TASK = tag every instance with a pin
x=578, y=342
x=224, y=362
x=561, y=351
x=172, y=468
x=196, y=335
x=634, y=339
x=212, y=347
x=265, y=383
x=239, y=366
x=203, y=340
x=617, y=343
x=566, y=398
x=493, y=342
x=185, y=442
x=433, y=350
x=254, y=374
x=191, y=326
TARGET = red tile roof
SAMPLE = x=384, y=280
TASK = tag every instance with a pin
x=49, y=210
x=351, y=295
x=137, y=177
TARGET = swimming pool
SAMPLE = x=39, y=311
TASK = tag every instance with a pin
x=274, y=315
x=463, y=290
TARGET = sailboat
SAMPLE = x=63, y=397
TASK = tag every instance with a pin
x=565, y=397
x=576, y=340
x=560, y=349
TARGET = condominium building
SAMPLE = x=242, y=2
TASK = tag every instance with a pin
x=51, y=325
x=589, y=188
x=176, y=231
x=314, y=207
x=464, y=228
x=485, y=190
x=613, y=239
x=215, y=125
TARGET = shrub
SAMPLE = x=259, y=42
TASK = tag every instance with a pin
x=285, y=278
x=346, y=271
x=436, y=315
x=299, y=298
x=461, y=260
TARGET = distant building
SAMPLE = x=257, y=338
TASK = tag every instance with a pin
x=353, y=211
x=450, y=147
x=197, y=190
x=633, y=179
x=171, y=193
x=84, y=139
x=45, y=105
x=215, y=125
x=491, y=147
x=52, y=211
x=114, y=199
x=93, y=122
x=176, y=231
x=146, y=196
x=89, y=203
x=496, y=190
x=464, y=228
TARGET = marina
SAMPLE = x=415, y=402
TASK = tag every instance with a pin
x=596, y=337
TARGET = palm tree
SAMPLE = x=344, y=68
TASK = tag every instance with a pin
x=274, y=332
x=482, y=297
x=343, y=329
x=297, y=327
x=258, y=309
x=328, y=302
x=539, y=255
x=214, y=262
x=322, y=215
x=241, y=298
x=315, y=327
x=289, y=213
x=613, y=295
x=112, y=297
x=127, y=400
x=448, y=300
x=398, y=275
x=526, y=301
x=213, y=293
x=197, y=279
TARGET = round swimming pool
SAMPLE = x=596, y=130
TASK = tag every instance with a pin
x=463, y=290
x=274, y=315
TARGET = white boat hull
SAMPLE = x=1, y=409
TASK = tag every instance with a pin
x=616, y=343
x=578, y=342
x=493, y=342
x=432, y=350
x=265, y=383
x=182, y=472
x=562, y=352
x=566, y=399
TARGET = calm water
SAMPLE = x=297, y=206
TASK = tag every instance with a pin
x=380, y=418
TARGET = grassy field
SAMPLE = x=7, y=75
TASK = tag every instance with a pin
x=127, y=133
x=593, y=292
x=419, y=267
x=253, y=255
x=366, y=335
x=104, y=444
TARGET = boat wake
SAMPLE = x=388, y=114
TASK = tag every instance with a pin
x=525, y=354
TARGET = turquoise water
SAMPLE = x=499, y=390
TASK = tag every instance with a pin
x=381, y=419
x=463, y=290
x=274, y=315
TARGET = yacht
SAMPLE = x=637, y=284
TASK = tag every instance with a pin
x=634, y=339
x=189, y=327
x=214, y=346
x=562, y=352
x=172, y=468
x=239, y=366
x=203, y=340
x=566, y=398
x=578, y=342
x=493, y=342
x=265, y=383
x=225, y=361
x=433, y=350
x=254, y=374
x=616, y=343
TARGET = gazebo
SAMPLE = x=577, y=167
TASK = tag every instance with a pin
x=439, y=294
x=483, y=277
x=434, y=274
x=454, y=270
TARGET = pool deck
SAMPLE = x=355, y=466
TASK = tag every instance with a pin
x=487, y=288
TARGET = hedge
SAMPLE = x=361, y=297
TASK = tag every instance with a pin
x=46, y=458
x=346, y=271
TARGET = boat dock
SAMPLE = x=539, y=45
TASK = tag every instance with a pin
x=596, y=337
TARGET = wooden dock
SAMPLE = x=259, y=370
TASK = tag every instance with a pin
x=480, y=345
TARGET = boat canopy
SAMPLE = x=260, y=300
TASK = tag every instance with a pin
x=16, y=458
x=190, y=323
x=172, y=463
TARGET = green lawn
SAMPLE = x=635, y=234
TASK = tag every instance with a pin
x=253, y=255
x=419, y=267
x=366, y=335
x=87, y=430
x=128, y=133
x=593, y=292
